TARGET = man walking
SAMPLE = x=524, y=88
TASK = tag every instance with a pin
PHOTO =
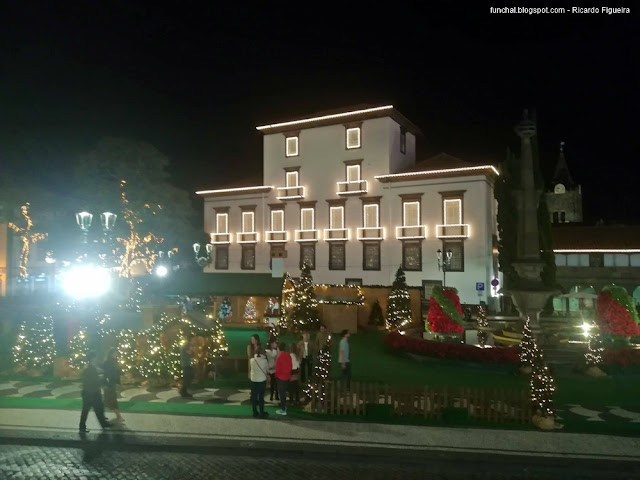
x=345, y=362
x=305, y=355
x=283, y=374
x=186, y=360
x=92, y=395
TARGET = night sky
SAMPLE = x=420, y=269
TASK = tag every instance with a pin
x=195, y=81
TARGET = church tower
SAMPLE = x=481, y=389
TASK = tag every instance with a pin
x=565, y=198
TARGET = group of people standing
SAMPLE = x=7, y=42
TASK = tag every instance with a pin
x=282, y=368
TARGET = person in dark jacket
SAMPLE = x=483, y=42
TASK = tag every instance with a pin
x=186, y=360
x=92, y=395
x=111, y=371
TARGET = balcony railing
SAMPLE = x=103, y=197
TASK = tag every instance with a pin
x=336, y=234
x=276, y=236
x=246, y=237
x=354, y=187
x=289, y=193
x=411, y=232
x=370, y=233
x=460, y=230
x=307, y=235
x=220, y=238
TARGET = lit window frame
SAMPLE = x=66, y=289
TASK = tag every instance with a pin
x=288, y=140
x=415, y=231
x=307, y=234
x=243, y=236
x=362, y=231
x=221, y=237
x=300, y=190
x=458, y=224
x=333, y=233
x=350, y=186
x=353, y=129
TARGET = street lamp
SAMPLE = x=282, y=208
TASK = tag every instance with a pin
x=202, y=261
x=84, y=220
x=164, y=266
x=444, y=264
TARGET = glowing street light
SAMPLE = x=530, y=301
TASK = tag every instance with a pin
x=444, y=264
x=86, y=281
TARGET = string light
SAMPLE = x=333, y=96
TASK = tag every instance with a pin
x=481, y=320
x=398, y=304
x=250, y=312
x=35, y=348
x=27, y=237
x=593, y=356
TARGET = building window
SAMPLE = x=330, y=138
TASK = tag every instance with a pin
x=353, y=281
x=457, y=255
x=452, y=217
x=248, y=257
x=308, y=255
x=556, y=217
x=291, y=146
x=403, y=141
x=336, y=217
x=453, y=211
x=222, y=223
x=277, y=220
x=371, y=256
x=353, y=137
x=411, y=214
x=371, y=215
x=222, y=257
x=248, y=233
x=307, y=219
x=412, y=256
x=353, y=173
x=353, y=183
x=563, y=217
x=336, y=256
x=596, y=260
x=292, y=179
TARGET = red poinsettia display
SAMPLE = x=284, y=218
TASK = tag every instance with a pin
x=439, y=320
x=457, y=351
x=613, y=318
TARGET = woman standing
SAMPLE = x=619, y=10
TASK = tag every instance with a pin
x=252, y=348
x=272, y=354
x=294, y=389
x=112, y=380
x=258, y=367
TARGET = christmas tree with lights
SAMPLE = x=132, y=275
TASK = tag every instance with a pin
x=250, y=312
x=35, y=348
x=481, y=320
x=541, y=385
x=528, y=348
x=128, y=352
x=225, y=309
x=317, y=385
x=78, y=349
x=593, y=356
x=376, y=317
x=305, y=315
x=399, y=304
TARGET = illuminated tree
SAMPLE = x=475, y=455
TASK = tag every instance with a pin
x=528, y=346
x=481, y=320
x=35, y=347
x=78, y=349
x=225, y=309
x=593, y=356
x=27, y=237
x=541, y=385
x=399, y=304
x=318, y=384
x=304, y=314
x=250, y=309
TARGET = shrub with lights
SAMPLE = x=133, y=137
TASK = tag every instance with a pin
x=398, y=304
x=78, y=349
x=541, y=388
x=317, y=385
x=304, y=312
x=528, y=348
x=35, y=348
x=445, y=311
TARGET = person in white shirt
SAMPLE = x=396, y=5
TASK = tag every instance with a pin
x=305, y=352
x=272, y=354
x=258, y=371
x=294, y=388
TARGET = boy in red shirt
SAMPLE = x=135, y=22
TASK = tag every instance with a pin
x=283, y=374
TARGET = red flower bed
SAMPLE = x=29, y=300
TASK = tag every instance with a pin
x=613, y=318
x=438, y=320
x=457, y=351
x=623, y=357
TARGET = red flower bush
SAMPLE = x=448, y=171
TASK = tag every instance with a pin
x=613, y=318
x=438, y=320
x=623, y=357
x=457, y=351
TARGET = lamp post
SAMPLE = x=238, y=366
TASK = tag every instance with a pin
x=164, y=265
x=444, y=264
x=202, y=261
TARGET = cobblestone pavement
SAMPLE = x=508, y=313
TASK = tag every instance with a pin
x=93, y=462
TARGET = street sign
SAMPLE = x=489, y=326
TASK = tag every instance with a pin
x=480, y=286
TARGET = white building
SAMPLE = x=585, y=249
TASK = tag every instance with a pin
x=343, y=192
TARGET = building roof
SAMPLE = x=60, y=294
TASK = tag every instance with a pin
x=339, y=116
x=440, y=166
x=200, y=283
x=235, y=190
x=562, y=174
x=585, y=238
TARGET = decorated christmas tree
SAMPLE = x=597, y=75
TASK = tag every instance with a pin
x=78, y=349
x=398, y=304
x=225, y=309
x=541, y=385
x=35, y=348
x=304, y=314
x=250, y=310
x=616, y=314
x=593, y=356
x=481, y=320
x=318, y=383
x=161, y=359
x=445, y=311
x=528, y=346
x=376, y=317
x=128, y=352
